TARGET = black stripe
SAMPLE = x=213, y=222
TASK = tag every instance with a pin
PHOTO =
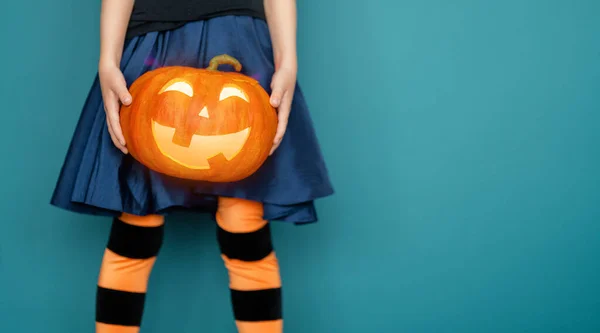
x=257, y=305
x=119, y=307
x=251, y=246
x=135, y=242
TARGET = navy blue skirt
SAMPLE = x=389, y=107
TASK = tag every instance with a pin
x=98, y=179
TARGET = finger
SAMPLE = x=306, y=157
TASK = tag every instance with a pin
x=277, y=91
x=276, y=97
x=112, y=112
x=113, y=138
x=121, y=90
x=285, y=107
x=283, y=118
x=279, y=139
x=273, y=149
x=116, y=129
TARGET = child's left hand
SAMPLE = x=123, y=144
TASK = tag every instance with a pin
x=282, y=87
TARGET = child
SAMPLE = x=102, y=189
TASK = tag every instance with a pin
x=99, y=176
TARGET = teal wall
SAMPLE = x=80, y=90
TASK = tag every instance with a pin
x=462, y=137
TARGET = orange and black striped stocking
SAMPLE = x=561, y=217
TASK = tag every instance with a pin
x=132, y=248
x=254, y=280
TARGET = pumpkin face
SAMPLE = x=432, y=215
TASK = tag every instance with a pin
x=200, y=124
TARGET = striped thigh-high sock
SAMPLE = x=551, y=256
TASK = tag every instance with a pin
x=132, y=248
x=254, y=280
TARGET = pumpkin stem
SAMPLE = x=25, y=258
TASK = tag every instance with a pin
x=224, y=59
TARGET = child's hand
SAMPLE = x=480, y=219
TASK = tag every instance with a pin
x=282, y=87
x=114, y=92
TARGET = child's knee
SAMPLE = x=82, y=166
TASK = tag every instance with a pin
x=253, y=275
x=136, y=237
x=131, y=251
x=143, y=221
x=239, y=215
x=243, y=234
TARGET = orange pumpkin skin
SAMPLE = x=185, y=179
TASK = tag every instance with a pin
x=199, y=124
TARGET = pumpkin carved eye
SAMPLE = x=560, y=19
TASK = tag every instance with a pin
x=180, y=86
x=231, y=90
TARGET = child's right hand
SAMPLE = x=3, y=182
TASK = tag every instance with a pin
x=114, y=93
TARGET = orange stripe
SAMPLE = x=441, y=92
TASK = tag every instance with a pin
x=143, y=221
x=124, y=274
x=272, y=326
x=107, y=328
x=256, y=275
x=239, y=215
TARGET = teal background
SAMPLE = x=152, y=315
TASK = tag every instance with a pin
x=462, y=138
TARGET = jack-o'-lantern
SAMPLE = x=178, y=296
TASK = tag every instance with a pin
x=199, y=123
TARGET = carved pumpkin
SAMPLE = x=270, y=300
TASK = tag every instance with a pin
x=199, y=124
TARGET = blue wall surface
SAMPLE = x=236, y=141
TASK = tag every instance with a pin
x=462, y=137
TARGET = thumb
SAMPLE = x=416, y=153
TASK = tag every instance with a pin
x=277, y=95
x=277, y=91
x=123, y=93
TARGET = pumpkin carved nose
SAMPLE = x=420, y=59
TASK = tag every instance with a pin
x=204, y=113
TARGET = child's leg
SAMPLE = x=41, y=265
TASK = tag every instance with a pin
x=254, y=279
x=132, y=248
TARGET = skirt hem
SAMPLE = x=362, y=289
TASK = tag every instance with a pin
x=287, y=212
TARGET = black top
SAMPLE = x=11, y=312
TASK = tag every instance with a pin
x=159, y=15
